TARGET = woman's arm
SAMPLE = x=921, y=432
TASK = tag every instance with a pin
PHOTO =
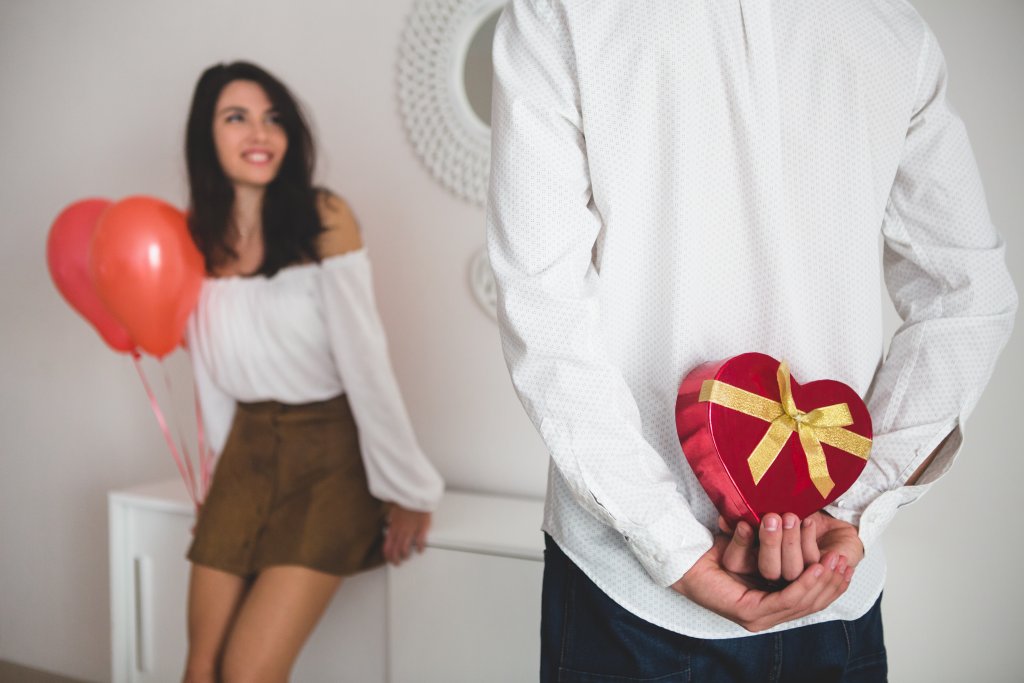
x=397, y=470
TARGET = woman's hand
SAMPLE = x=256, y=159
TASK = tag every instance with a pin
x=406, y=529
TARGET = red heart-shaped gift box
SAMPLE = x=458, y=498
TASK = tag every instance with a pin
x=756, y=450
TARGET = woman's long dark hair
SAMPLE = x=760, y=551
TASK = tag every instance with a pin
x=291, y=223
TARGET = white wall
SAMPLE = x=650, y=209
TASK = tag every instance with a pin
x=954, y=595
x=93, y=97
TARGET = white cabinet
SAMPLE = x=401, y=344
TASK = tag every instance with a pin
x=149, y=533
x=468, y=609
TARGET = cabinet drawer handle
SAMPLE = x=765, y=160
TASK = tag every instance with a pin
x=143, y=614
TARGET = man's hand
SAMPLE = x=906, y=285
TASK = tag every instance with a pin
x=783, y=549
x=786, y=546
x=836, y=535
x=407, y=529
x=737, y=597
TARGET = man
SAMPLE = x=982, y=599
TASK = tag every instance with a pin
x=680, y=181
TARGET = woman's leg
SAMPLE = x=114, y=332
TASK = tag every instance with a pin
x=276, y=618
x=213, y=601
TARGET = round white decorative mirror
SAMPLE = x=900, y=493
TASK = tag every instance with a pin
x=478, y=68
x=481, y=283
x=444, y=90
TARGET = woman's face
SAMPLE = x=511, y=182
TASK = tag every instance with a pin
x=250, y=141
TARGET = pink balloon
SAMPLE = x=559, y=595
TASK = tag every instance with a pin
x=67, y=256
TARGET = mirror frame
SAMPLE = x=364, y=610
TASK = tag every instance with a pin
x=481, y=283
x=449, y=138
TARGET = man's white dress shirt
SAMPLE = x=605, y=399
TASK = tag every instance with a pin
x=680, y=181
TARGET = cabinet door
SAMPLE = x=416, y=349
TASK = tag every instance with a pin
x=153, y=588
x=348, y=645
x=458, y=616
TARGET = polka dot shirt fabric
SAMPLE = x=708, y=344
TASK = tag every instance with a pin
x=680, y=181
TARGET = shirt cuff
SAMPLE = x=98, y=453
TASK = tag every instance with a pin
x=668, y=548
x=422, y=495
x=871, y=510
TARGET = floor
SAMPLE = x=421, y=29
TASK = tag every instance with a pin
x=13, y=673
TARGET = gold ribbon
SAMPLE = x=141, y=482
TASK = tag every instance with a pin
x=821, y=425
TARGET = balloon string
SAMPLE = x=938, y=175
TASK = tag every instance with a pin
x=197, y=498
x=189, y=482
x=205, y=452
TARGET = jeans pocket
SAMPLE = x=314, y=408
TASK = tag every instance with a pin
x=868, y=659
x=873, y=668
x=604, y=642
x=571, y=676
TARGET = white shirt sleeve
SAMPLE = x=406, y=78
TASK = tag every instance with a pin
x=542, y=227
x=945, y=270
x=217, y=408
x=397, y=469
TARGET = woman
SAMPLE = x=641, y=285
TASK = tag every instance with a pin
x=319, y=474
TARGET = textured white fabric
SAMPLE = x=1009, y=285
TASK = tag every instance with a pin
x=680, y=181
x=309, y=333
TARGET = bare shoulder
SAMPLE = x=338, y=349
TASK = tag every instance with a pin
x=341, y=234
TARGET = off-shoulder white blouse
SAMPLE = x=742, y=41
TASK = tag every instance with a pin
x=309, y=333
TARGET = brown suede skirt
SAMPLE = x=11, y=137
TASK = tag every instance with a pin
x=290, y=489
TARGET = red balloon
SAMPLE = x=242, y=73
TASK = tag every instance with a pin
x=67, y=256
x=147, y=270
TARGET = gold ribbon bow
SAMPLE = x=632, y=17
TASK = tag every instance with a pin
x=821, y=425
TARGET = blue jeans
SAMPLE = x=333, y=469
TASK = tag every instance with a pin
x=586, y=637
